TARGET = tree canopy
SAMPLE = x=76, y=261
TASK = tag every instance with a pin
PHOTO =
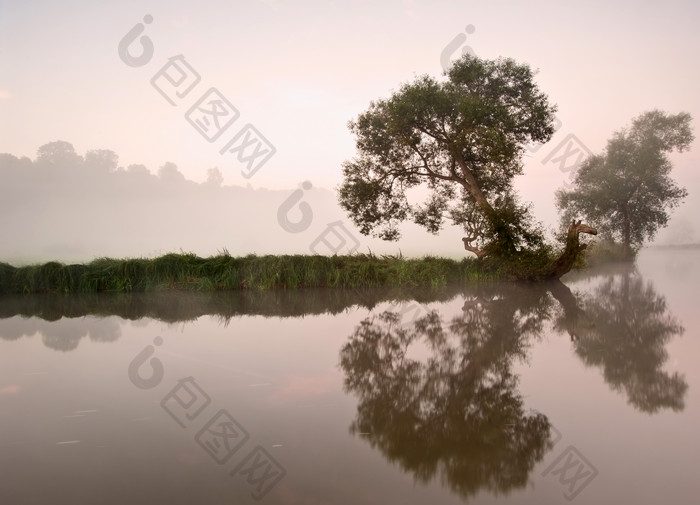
x=627, y=190
x=461, y=141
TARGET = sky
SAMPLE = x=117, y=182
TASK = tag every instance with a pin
x=293, y=73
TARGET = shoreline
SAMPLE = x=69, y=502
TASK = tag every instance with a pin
x=223, y=272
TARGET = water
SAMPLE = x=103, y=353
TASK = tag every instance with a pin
x=502, y=393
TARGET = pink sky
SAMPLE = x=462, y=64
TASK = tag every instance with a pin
x=298, y=71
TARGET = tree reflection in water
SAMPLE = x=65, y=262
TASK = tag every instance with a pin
x=457, y=413
x=627, y=328
x=440, y=399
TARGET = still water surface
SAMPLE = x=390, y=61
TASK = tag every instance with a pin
x=582, y=392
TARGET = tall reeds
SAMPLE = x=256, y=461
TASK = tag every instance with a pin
x=225, y=272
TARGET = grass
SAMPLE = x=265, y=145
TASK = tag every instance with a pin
x=224, y=272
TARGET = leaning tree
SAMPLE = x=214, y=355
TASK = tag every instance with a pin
x=459, y=142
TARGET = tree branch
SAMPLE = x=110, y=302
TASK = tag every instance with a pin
x=480, y=253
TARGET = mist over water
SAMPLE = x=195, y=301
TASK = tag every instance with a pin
x=585, y=391
x=69, y=207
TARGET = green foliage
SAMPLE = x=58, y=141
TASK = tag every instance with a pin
x=224, y=272
x=627, y=191
x=461, y=141
x=527, y=265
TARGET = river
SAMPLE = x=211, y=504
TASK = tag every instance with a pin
x=584, y=391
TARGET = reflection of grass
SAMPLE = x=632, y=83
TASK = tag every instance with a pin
x=224, y=272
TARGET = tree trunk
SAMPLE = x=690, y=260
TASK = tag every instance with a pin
x=566, y=260
x=496, y=221
x=473, y=188
x=575, y=319
x=480, y=253
x=469, y=183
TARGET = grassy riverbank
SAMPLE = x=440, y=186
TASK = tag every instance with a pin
x=225, y=272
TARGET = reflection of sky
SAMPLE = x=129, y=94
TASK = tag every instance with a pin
x=279, y=378
x=581, y=405
x=300, y=70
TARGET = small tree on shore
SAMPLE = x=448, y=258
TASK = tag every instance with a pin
x=627, y=190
